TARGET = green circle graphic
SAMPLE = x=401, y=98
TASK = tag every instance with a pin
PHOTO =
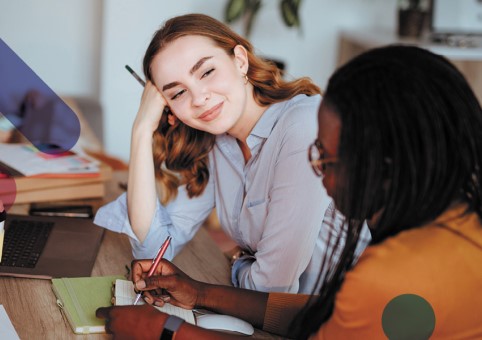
x=408, y=316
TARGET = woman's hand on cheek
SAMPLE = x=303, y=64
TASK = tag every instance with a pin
x=151, y=108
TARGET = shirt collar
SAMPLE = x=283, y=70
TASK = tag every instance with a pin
x=263, y=127
x=267, y=121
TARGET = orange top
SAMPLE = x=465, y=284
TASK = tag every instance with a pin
x=440, y=262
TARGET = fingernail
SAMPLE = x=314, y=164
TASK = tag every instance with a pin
x=141, y=284
x=148, y=300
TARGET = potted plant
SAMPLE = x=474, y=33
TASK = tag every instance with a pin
x=412, y=16
x=248, y=9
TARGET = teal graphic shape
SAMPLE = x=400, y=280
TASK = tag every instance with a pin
x=408, y=316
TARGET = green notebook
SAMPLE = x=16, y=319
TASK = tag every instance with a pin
x=79, y=297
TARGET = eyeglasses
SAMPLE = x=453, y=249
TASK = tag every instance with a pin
x=316, y=156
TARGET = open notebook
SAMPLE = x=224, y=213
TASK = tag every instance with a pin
x=125, y=295
x=79, y=298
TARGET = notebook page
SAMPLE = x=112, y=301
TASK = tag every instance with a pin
x=125, y=295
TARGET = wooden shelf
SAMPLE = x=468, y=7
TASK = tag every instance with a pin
x=467, y=59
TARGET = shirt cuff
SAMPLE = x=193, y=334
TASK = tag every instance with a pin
x=113, y=216
x=281, y=310
x=241, y=264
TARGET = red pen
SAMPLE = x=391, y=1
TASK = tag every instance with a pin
x=155, y=263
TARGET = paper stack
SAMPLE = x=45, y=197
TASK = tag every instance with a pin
x=28, y=175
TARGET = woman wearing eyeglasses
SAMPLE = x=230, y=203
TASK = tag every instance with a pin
x=400, y=145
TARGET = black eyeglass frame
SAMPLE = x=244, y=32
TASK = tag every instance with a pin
x=316, y=156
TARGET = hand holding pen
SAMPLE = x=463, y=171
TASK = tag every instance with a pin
x=168, y=284
x=155, y=263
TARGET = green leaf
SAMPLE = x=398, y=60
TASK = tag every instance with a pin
x=251, y=13
x=289, y=11
x=234, y=10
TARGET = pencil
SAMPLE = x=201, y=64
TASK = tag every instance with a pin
x=139, y=79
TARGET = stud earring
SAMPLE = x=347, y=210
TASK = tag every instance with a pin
x=246, y=79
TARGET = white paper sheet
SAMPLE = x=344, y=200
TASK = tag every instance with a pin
x=7, y=332
x=27, y=160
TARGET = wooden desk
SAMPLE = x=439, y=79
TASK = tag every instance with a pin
x=31, y=304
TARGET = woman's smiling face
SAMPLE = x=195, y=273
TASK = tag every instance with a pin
x=203, y=85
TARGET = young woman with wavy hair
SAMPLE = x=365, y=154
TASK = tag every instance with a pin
x=227, y=132
x=185, y=150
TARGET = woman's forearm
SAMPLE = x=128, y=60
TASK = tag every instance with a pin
x=141, y=193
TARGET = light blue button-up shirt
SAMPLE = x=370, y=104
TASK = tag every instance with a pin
x=273, y=206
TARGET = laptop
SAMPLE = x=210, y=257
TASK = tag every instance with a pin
x=54, y=246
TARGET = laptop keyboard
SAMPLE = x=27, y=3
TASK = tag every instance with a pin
x=24, y=241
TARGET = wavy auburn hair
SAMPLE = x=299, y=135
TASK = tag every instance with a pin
x=184, y=150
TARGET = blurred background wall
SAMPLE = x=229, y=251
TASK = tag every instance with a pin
x=79, y=47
